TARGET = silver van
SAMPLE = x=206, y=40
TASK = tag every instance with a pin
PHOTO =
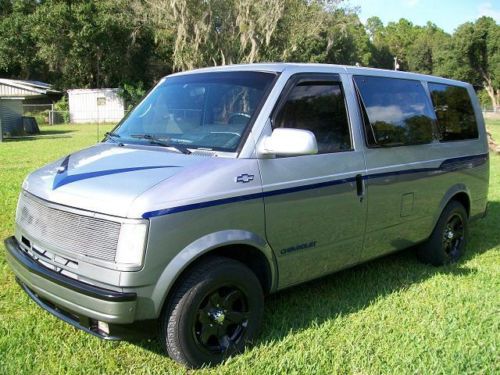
x=226, y=184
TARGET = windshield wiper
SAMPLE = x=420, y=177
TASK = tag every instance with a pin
x=157, y=141
x=113, y=137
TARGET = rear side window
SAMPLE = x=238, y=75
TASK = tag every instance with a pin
x=454, y=112
x=397, y=111
x=320, y=108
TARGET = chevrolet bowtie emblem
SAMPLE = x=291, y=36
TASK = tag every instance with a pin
x=244, y=178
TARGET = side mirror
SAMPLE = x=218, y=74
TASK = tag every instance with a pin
x=289, y=142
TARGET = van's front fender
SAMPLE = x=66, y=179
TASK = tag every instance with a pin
x=203, y=246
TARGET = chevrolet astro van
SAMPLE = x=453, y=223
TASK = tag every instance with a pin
x=230, y=183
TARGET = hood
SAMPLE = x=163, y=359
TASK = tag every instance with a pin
x=107, y=178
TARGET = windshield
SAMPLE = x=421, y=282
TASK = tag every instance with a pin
x=203, y=110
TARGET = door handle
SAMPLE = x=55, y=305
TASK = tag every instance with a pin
x=359, y=185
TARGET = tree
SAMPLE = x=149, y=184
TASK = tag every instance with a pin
x=5, y=8
x=91, y=43
x=473, y=55
x=214, y=32
x=218, y=32
x=482, y=52
x=18, y=53
x=132, y=43
x=382, y=55
x=398, y=37
x=422, y=53
x=340, y=39
x=374, y=27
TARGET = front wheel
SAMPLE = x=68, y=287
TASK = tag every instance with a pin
x=214, y=312
x=448, y=240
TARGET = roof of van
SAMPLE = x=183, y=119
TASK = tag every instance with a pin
x=331, y=68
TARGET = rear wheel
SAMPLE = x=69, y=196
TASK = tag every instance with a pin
x=214, y=312
x=448, y=240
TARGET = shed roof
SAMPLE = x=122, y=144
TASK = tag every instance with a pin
x=21, y=88
x=93, y=91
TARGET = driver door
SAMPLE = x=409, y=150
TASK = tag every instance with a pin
x=314, y=206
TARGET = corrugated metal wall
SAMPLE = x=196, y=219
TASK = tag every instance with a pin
x=6, y=90
x=11, y=112
x=95, y=105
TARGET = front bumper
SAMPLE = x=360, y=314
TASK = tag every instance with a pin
x=77, y=303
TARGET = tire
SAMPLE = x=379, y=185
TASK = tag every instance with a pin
x=214, y=312
x=449, y=238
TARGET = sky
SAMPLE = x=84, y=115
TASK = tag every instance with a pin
x=446, y=14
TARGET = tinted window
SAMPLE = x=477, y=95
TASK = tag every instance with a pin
x=454, y=112
x=320, y=108
x=397, y=111
x=203, y=110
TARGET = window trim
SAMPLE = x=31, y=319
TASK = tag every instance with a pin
x=251, y=123
x=438, y=130
x=364, y=114
x=365, y=119
x=298, y=78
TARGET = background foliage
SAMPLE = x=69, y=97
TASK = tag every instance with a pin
x=133, y=43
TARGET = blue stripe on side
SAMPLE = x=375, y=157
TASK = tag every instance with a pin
x=242, y=198
x=196, y=206
x=296, y=189
x=447, y=165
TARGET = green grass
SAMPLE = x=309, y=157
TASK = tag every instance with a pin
x=494, y=129
x=392, y=315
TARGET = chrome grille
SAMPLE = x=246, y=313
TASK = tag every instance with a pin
x=67, y=231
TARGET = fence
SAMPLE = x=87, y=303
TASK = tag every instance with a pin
x=41, y=113
x=101, y=116
x=46, y=115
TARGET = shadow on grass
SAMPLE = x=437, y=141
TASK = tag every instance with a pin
x=44, y=134
x=55, y=132
x=356, y=288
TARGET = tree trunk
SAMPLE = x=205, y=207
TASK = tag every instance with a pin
x=493, y=94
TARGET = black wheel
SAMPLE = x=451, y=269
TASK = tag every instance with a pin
x=214, y=312
x=447, y=242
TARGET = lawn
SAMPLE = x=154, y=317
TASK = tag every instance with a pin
x=390, y=316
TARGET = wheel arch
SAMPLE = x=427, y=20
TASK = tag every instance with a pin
x=243, y=246
x=464, y=199
x=458, y=192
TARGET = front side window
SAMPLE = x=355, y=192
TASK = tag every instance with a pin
x=320, y=108
x=198, y=111
x=397, y=111
x=454, y=112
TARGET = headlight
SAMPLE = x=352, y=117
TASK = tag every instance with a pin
x=132, y=243
x=17, y=207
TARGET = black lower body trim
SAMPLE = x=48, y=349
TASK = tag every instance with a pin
x=135, y=331
x=66, y=316
x=33, y=266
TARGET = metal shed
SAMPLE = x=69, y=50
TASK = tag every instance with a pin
x=95, y=105
x=11, y=116
x=21, y=97
x=32, y=92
